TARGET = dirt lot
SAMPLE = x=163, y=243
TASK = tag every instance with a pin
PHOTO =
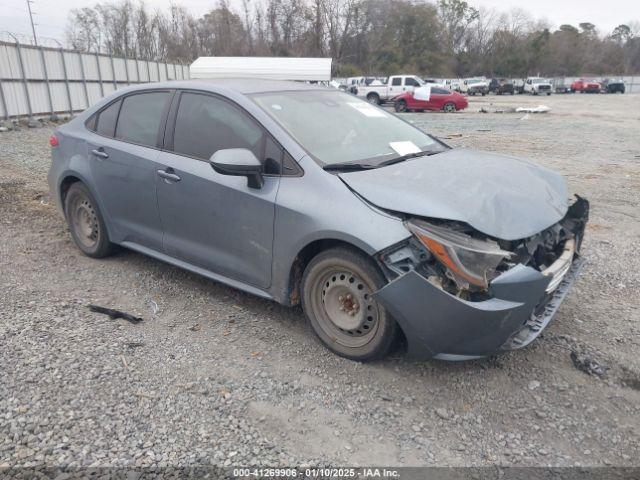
x=214, y=375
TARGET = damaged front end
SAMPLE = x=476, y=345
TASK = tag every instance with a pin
x=458, y=294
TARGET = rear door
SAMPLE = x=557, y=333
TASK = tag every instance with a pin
x=123, y=152
x=212, y=220
x=395, y=86
x=439, y=96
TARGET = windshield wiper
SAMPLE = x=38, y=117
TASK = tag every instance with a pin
x=347, y=166
x=409, y=156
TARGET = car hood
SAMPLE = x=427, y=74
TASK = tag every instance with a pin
x=500, y=196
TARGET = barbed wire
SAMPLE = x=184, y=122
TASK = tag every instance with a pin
x=23, y=39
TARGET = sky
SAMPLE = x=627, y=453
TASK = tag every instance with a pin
x=50, y=15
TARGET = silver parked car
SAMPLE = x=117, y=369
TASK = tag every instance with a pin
x=310, y=196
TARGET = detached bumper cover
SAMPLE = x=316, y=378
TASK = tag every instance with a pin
x=438, y=323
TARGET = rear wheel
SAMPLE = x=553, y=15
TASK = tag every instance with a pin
x=449, y=107
x=85, y=222
x=373, y=98
x=401, y=106
x=337, y=298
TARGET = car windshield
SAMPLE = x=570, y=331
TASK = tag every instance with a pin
x=335, y=127
x=537, y=80
x=475, y=80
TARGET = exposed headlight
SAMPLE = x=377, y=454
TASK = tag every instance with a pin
x=468, y=259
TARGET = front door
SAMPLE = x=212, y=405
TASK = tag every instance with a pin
x=212, y=220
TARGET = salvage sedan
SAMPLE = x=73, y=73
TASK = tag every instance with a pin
x=310, y=196
x=439, y=99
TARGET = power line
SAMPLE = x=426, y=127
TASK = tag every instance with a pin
x=33, y=27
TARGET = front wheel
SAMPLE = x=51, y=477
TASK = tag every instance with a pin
x=337, y=298
x=401, y=106
x=449, y=107
x=86, y=223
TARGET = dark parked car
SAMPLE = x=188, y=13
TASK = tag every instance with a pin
x=505, y=86
x=613, y=86
x=306, y=195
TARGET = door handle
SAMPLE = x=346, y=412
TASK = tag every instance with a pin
x=168, y=175
x=99, y=152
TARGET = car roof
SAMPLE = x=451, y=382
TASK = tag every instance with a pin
x=239, y=85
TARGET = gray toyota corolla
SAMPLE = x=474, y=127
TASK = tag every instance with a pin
x=312, y=196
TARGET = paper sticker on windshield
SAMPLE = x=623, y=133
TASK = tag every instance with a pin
x=404, y=148
x=367, y=109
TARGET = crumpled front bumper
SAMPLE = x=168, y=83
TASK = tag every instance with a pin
x=438, y=324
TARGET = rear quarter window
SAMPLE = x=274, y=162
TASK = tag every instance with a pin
x=106, y=120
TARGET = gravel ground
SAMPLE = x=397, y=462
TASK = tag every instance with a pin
x=216, y=376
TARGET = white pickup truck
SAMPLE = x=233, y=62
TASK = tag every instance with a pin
x=394, y=86
x=537, y=86
x=475, y=86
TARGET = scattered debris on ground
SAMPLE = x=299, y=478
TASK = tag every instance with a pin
x=538, y=109
x=115, y=314
x=588, y=365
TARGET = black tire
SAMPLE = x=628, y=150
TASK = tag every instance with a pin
x=449, y=107
x=86, y=223
x=336, y=298
x=373, y=98
x=400, y=106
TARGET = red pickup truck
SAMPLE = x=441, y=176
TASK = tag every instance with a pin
x=586, y=86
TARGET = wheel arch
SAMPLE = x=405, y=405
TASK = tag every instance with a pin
x=71, y=177
x=305, y=255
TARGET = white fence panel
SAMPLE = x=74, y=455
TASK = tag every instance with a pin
x=131, y=70
x=32, y=62
x=39, y=97
x=15, y=97
x=59, y=97
x=72, y=62
x=95, y=94
x=105, y=69
x=49, y=80
x=9, y=63
x=90, y=65
x=53, y=62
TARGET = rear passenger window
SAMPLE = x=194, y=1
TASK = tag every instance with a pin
x=106, y=120
x=206, y=124
x=396, y=82
x=440, y=91
x=140, y=118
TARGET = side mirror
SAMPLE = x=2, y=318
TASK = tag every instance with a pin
x=240, y=162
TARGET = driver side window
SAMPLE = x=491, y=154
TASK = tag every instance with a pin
x=206, y=124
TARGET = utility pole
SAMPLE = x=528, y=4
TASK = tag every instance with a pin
x=33, y=27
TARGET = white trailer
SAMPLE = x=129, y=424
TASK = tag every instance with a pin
x=271, y=68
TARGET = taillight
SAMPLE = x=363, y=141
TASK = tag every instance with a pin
x=53, y=141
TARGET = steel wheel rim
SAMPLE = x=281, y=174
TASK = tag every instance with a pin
x=373, y=99
x=449, y=107
x=345, y=309
x=85, y=222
